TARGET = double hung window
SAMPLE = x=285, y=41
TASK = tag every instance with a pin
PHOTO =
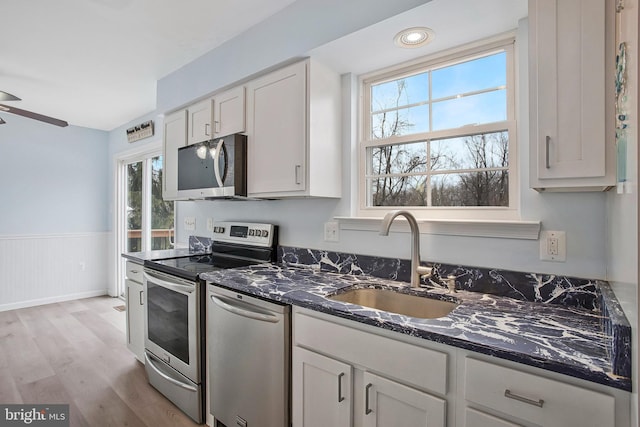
x=439, y=137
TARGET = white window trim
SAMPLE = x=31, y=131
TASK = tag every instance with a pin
x=455, y=217
x=504, y=229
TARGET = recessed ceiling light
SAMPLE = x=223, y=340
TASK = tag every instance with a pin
x=414, y=37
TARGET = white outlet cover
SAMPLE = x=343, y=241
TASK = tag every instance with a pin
x=561, y=238
x=331, y=231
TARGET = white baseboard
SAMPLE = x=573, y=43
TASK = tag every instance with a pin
x=51, y=300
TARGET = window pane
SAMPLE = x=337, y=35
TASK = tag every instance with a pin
x=398, y=191
x=487, y=188
x=478, y=74
x=401, y=92
x=134, y=207
x=161, y=211
x=404, y=121
x=471, y=152
x=397, y=159
x=486, y=107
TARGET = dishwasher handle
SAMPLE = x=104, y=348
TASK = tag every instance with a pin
x=230, y=307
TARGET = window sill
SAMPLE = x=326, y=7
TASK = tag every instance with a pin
x=526, y=230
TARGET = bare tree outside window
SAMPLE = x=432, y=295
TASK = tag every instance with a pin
x=456, y=171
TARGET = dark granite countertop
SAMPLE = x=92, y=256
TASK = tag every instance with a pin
x=141, y=257
x=197, y=246
x=570, y=340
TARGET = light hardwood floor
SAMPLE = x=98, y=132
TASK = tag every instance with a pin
x=75, y=353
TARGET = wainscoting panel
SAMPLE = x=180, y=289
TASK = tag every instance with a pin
x=42, y=269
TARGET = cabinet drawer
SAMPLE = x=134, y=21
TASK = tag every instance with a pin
x=475, y=418
x=134, y=271
x=410, y=364
x=536, y=399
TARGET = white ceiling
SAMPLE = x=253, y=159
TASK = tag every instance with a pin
x=95, y=63
x=455, y=22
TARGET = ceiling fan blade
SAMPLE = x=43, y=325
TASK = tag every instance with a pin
x=5, y=96
x=32, y=115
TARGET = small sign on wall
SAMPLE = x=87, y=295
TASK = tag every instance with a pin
x=141, y=131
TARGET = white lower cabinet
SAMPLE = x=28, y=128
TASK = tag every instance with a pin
x=135, y=310
x=353, y=383
x=391, y=404
x=322, y=390
x=345, y=373
x=534, y=399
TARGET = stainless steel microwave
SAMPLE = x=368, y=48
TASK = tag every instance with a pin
x=213, y=169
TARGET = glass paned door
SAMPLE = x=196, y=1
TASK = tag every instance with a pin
x=134, y=207
x=161, y=211
x=145, y=221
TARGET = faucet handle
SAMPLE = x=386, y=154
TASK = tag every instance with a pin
x=424, y=271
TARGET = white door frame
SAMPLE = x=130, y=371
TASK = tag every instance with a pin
x=151, y=149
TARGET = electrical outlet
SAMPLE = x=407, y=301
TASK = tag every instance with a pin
x=209, y=224
x=189, y=223
x=553, y=246
x=331, y=231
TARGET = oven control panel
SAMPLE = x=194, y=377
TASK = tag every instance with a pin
x=251, y=233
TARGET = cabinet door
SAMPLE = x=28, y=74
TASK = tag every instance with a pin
x=200, y=117
x=390, y=404
x=567, y=64
x=321, y=390
x=475, y=418
x=135, y=318
x=175, y=136
x=229, y=113
x=277, y=131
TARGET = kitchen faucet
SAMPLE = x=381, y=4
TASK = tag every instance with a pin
x=417, y=271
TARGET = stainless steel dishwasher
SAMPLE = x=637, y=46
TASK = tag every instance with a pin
x=249, y=360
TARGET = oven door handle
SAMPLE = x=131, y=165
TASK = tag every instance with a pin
x=149, y=360
x=244, y=313
x=173, y=286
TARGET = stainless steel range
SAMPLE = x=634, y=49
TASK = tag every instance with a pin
x=175, y=310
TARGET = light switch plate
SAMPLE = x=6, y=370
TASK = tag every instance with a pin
x=189, y=223
x=553, y=246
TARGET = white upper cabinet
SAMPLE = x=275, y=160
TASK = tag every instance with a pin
x=175, y=136
x=229, y=112
x=200, y=121
x=293, y=126
x=571, y=90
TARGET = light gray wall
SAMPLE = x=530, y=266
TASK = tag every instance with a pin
x=581, y=215
x=54, y=180
x=54, y=210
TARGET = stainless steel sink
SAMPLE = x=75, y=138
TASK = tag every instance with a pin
x=394, y=302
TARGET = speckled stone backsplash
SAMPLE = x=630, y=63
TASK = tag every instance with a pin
x=534, y=287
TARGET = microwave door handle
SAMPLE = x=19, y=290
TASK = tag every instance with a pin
x=216, y=163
